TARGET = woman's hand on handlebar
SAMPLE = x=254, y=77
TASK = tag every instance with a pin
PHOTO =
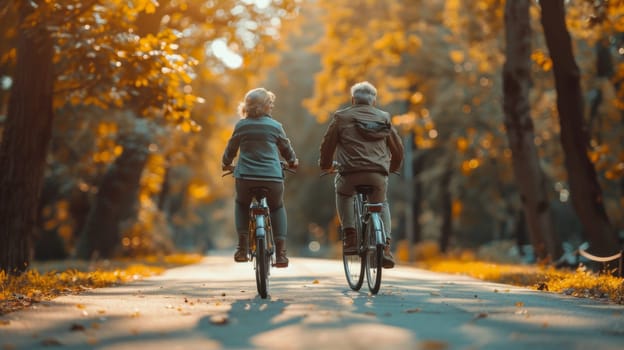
x=290, y=166
x=227, y=169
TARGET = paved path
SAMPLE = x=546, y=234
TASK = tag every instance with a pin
x=214, y=305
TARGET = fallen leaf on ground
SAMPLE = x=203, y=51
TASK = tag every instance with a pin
x=219, y=320
x=51, y=342
x=433, y=345
x=412, y=311
x=76, y=327
x=480, y=315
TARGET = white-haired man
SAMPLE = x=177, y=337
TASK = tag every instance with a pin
x=368, y=148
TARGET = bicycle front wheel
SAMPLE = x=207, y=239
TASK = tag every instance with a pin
x=262, y=267
x=374, y=258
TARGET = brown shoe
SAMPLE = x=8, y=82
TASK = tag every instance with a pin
x=280, y=253
x=241, y=251
x=349, y=245
x=388, y=259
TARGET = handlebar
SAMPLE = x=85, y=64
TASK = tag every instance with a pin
x=287, y=168
x=337, y=166
x=228, y=170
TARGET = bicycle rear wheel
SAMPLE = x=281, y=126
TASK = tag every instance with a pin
x=354, y=270
x=353, y=263
x=374, y=257
x=262, y=267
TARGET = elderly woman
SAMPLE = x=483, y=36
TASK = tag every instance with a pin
x=261, y=141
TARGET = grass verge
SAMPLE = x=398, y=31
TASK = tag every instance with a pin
x=579, y=283
x=47, y=280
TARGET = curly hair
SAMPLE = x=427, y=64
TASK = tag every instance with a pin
x=257, y=103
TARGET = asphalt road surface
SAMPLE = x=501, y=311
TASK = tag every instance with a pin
x=214, y=305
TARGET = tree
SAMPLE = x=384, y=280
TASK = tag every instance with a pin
x=116, y=66
x=529, y=176
x=25, y=140
x=585, y=190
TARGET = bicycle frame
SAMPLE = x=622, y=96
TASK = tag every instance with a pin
x=259, y=214
x=372, y=215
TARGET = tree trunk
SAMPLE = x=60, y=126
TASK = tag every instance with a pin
x=604, y=72
x=527, y=171
x=446, y=200
x=585, y=191
x=26, y=135
x=418, y=167
x=116, y=198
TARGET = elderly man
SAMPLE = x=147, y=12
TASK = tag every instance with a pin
x=367, y=149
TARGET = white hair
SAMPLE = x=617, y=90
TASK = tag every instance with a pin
x=364, y=92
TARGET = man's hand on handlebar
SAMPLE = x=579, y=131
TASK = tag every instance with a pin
x=334, y=169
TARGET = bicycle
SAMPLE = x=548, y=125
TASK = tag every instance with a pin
x=261, y=245
x=371, y=238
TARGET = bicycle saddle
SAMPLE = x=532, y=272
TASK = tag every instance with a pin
x=259, y=192
x=365, y=189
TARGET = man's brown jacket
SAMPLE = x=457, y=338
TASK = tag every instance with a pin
x=363, y=139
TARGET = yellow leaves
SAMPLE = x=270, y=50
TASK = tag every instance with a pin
x=141, y=82
x=150, y=7
x=578, y=283
x=107, y=128
x=182, y=259
x=430, y=344
x=542, y=60
x=457, y=56
x=461, y=144
x=469, y=165
x=198, y=190
x=417, y=98
x=404, y=121
x=456, y=208
x=394, y=41
x=46, y=280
